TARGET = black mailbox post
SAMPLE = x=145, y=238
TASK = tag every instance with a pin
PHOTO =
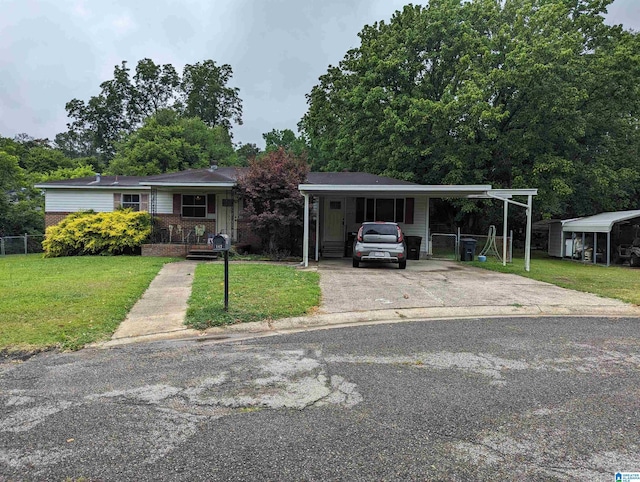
x=222, y=244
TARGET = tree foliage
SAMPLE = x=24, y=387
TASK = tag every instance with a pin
x=124, y=102
x=167, y=142
x=513, y=93
x=272, y=203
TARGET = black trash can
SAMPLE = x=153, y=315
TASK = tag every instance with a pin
x=348, y=245
x=413, y=247
x=467, y=249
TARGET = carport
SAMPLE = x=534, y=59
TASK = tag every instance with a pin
x=317, y=192
x=601, y=223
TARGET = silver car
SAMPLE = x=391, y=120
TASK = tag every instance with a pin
x=380, y=242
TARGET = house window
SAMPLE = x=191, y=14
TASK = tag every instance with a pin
x=131, y=201
x=384, y=209
x=194, y=205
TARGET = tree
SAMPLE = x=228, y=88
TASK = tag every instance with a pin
x=167, y=143
x=205, y=94
x=275, y=139
x=123, y=104
x=514, y=93
x=273, y=206
x=246, y=153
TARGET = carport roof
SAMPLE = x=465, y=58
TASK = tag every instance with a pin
x=473, y=191
x=600, y=223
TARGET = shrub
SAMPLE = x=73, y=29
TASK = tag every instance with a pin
x=119, y=232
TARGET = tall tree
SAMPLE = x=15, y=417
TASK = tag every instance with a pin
x=123, y=104
x=205, y=94
x=515, y=93
x=167, y=142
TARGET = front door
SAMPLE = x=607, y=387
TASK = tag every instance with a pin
x=333, y=220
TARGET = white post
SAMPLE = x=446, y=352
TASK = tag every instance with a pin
x=504, y=232
x=26, y=245
x=527, y=242
x=305, y=237
x=608, y=247
x=511, y=246
x=595, y=247
x=318, y=229
x=427, y=216
x=582, y=252
x=457, y=248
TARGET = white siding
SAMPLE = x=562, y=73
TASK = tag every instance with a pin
x=72, y=200
x=418, y=228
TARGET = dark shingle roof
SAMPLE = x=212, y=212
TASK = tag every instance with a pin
x=221, y=175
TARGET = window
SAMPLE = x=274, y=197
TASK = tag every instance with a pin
x=371, y=209
x=131, y=201
x=194, y=206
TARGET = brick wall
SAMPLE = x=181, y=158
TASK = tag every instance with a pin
x=51, y=219
x=173, y=250
x=164, y=220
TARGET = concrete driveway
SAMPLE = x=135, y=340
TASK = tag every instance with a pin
x=449, y=288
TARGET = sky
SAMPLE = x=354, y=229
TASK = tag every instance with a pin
x=52, y=51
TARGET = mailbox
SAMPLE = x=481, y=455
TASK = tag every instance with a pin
x=221, y=242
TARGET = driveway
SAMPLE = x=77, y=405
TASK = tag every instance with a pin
x=447, y=286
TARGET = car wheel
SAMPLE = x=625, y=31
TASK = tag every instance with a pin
x=402, y=264
x=634, y=261
x=356, y=263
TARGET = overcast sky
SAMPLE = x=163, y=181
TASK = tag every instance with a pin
x=55, y=50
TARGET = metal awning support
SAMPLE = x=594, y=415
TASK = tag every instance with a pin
x=527, y=242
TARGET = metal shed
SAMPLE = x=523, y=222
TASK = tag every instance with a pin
x=602, y=223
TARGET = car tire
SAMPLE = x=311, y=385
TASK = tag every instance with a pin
x=634, y=261
x=356, y=263
x=402, y=264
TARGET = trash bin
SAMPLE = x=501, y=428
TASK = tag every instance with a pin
x=348, y=245
x=467, y=249
x=413, y=247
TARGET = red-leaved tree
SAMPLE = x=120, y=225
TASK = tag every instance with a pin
x=273, y=206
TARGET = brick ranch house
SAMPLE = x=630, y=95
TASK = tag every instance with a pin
x=189, y=206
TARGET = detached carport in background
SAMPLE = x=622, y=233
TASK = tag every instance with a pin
x=602, y=223
x=426, y=192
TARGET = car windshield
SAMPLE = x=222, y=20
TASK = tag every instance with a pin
x=379, y=229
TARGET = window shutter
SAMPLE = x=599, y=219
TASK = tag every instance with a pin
x=408, y=211
x=177, y=203
x=144, y=202
x=211, y=203
x=117, y=200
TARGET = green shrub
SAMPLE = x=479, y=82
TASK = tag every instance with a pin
x=119, y=232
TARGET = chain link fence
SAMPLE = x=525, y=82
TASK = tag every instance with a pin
x=25, y=244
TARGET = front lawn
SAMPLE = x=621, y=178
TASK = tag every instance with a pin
x=257, y=291
x=618, y=282
x=68, y=302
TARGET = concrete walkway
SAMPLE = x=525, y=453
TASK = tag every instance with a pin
x=430, y=289
x=161, y=311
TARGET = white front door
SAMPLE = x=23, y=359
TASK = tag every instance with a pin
x=334, y=219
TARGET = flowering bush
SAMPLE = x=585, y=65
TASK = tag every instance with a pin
x=82, y=233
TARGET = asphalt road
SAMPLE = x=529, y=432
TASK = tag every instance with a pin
x=493, y=399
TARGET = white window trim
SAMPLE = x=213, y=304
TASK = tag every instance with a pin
x=136, y=205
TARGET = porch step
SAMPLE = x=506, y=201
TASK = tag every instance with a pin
x=333, y=250
x=202, y=255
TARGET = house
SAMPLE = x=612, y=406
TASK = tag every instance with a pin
x=190, y=205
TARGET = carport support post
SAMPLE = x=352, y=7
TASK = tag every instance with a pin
x=305, y=237
x=527, y=243
x=318, y=203
x=595, y=247
x=426, y=239
x=504, y=233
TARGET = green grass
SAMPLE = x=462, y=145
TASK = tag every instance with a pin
x=68, y=302
x=257, y=291
x=617, y=282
